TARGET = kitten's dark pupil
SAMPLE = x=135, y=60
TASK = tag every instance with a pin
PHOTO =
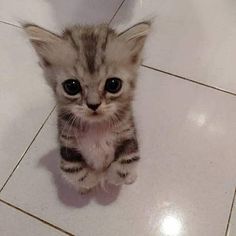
x=72, y=86
x=113, y=85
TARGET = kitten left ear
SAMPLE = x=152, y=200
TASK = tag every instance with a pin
x=51, y=48
x=135, y=36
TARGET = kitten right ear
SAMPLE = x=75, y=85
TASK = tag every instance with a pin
x=135, y=37
x=51, y=48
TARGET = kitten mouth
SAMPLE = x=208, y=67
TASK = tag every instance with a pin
x=95, y=114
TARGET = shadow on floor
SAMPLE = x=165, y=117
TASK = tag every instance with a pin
x=67, y=195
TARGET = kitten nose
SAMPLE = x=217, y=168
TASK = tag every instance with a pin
x=93, y=107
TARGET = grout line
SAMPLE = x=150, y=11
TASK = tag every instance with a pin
x=230, y=214
x=7, y=23
x=36, y=217
x=11, y=24
x=27, y=149
x=190, y=80
x=116, y=12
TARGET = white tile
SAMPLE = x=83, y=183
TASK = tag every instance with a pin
x=25, y=99
x=58, y=13
x=16, y=223
x=186, y=177
x=191, y=38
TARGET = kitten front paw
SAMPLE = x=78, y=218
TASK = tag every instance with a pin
x=131, y=178
x=117, y=176
x=84, y=191
x=92, y=179
x=82, y=178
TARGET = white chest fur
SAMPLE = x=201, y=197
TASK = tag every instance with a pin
x=97, y=147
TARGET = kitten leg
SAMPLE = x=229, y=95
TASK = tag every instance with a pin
x=76, y=172
x=123, y=169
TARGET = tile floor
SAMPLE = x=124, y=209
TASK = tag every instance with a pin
x=186, y=115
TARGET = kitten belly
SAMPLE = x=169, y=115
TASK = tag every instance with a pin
x=97, y=148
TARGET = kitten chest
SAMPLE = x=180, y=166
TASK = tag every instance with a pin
x=97, y=147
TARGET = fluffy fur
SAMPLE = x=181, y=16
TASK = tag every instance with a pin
x=96, y=146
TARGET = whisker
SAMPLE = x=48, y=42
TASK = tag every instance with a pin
x=69, y=129
x=66, y=124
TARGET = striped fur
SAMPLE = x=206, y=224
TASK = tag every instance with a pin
x=95, y=146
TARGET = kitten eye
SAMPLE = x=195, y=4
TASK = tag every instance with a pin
x=113, y=85
x=72, y=86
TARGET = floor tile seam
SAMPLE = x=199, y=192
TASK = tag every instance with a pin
x=189, y=80
x=35, y=217
x=27, y=148
x=230, y=214
x=116, y=11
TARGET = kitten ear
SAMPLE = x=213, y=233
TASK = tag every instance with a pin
x=51, y=48
x=135, y=37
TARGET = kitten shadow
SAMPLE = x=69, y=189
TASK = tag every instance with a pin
x=67, y=195
x=107, y=196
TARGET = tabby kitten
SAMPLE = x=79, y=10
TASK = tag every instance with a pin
x=92, y=71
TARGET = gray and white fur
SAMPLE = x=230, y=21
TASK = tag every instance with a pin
x=96, y=130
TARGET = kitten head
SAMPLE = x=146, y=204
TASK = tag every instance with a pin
x=92, y=69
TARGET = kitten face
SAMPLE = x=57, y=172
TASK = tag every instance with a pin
x=92, y=70
x=94, y=98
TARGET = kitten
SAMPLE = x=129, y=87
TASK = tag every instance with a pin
x=92, y=71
